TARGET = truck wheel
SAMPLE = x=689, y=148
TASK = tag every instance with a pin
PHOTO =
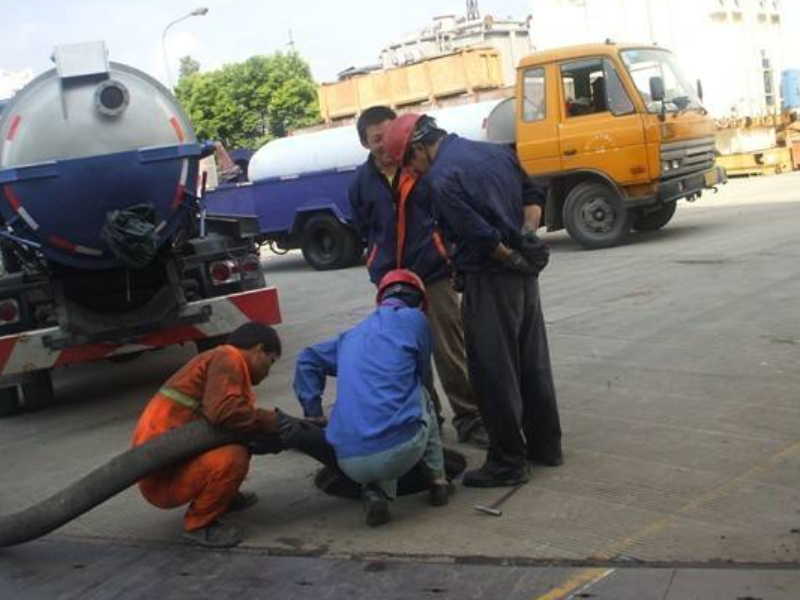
x=208, y=343
x=327, y=244
x=595, y=216
x=37, y=390
x=656, y=219
x=9, y=401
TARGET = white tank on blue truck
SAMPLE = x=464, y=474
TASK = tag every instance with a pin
x=298, y=184
x=105, y=245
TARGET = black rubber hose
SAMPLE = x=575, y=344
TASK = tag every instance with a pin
x=119, y=473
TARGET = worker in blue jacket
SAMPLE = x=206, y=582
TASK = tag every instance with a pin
x=491, y=210
x=383, y=421
x=392, y=211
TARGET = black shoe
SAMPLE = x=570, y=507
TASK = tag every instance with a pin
x=439, y=493
x=473, y=432
x=376, y=506
x=215, y=535
x=242, y=500
x=493, y=476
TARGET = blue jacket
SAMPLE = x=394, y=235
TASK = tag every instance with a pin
x=382, y=212
x=479, y=193
x=379, y=367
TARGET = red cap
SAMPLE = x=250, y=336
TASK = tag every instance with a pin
x=398, y=136
x=401, y=276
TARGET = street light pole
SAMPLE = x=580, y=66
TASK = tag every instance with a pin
x=197, y=12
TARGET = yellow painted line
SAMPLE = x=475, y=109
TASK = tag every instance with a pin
x=582, y=580
x=713, y=494
x=589, y=577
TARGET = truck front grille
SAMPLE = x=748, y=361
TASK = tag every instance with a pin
x=686, y=157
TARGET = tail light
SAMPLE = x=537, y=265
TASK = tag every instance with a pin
x=224, y=271
x=9, y=311
x=250, y=265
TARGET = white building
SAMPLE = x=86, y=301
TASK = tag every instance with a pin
x=448, y=33
x=733, y=46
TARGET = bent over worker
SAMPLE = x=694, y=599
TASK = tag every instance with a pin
x=490, y=210
x=383, y=421
x=217, y=386
x=392, y=211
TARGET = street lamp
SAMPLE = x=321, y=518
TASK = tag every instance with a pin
x=197, y=12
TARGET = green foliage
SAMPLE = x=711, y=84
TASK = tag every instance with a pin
x=244, y=105
x=189, y=66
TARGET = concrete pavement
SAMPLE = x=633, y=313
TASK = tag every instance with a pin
x=676, y=362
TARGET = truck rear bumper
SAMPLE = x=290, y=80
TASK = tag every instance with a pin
x=34, y=350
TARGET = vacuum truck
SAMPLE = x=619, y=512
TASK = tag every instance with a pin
x=615, y=132
x=107, y=248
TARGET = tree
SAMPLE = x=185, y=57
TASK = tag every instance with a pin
x=189, y=66
x=244, y=105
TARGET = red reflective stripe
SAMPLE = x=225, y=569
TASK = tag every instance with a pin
x=371, y=256
x=12, y=131
x=179, y=193
x=440, y=247
x=404, y=187
x=177, y=127
x=12, y=197
x=86, y=353
x=60, y=242
x=259, y=306
x=6, y=348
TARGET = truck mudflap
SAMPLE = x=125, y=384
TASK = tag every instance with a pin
x=33, y=350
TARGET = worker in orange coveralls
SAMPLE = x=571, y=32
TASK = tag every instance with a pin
x=215, y=385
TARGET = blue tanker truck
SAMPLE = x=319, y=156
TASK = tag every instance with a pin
x=107, y=248
x=298, y=185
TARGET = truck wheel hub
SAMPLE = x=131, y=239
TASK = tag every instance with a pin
x=598, y=216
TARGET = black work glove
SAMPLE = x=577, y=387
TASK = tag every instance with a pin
x=516, y=262
x=535, y=252
x=289, y=427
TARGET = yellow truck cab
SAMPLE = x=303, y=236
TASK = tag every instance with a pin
x=617, y=133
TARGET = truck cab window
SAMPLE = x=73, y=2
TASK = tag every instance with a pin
x=584, y=87
x=619, y=103
x=534, y=106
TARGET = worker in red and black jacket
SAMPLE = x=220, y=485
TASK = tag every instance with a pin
x=490, y=210
x=391, y=210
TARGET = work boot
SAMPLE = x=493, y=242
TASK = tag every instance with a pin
x=439, y=493
x=215, y=535
x=242, y=500
x=472, y=431
x=376, y=506
x=492, y=475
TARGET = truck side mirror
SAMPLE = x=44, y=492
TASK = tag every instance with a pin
x=657, y=89
x=700, y=90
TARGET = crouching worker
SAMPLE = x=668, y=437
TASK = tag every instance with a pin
x=215, y=385
x=383, y=421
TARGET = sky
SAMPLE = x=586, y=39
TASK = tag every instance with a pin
x=330, y=34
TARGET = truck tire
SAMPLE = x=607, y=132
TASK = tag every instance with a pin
x=595, y=216
x=9, y=401
x=37, y=390
x=656, y=219
x=328, y=244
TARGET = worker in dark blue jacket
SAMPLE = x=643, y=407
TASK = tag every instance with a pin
x=491, y=210
x=383, y=422
x=392, y=211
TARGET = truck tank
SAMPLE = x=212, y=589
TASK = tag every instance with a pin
x=86, y=138
x=339, y=148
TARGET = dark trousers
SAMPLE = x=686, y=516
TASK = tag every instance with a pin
x=509, y=368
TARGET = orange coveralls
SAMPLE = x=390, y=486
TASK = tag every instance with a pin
x=218, y=383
